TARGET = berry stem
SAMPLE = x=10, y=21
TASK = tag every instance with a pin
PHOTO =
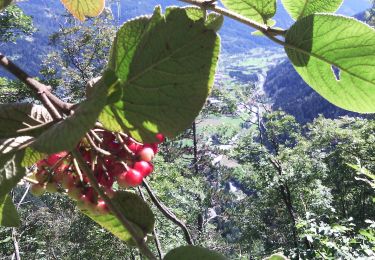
x=119, y=138
x=92, y=132
x=113, y=207
x=96, y=148
x=30, y=180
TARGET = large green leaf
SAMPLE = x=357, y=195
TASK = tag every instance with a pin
x=166, y=65
x=65, y=135
x=257, y=10
x=82, y=8
x=11, y=171
x=4, y=3
x=335, y=55
x=134, y=209
x=23, y=118
x=15, y=155
x=301, y=8
x=193, y=253
x=8, y=213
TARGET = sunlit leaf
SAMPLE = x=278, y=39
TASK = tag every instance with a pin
x=335, y=55
x=258, y=10
x=301, y=8
x=81, y=9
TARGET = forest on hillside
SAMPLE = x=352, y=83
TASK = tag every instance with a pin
x=245, y=179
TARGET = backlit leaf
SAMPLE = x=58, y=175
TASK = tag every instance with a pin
x=300, y=8
x=335, y=55
x=258, y=10
x=81, y=9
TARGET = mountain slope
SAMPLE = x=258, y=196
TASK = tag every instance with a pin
x=289, y=92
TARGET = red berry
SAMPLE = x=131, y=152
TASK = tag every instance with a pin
x=86, y=155
x=145, y=168
x=84, y=203
x=68, y=181
x=116, y=169
x=52, y=159
x=91, y=194
x=106, y=181
x=101, y=208
x=37, y=189
x=160, y=137
x=109, y=161
x=146, y=154
x=108, y=137
x=154, y=147
x=114, y=147
x=109, y=192
x=58, y=177
x=134, y=147
x=41, y=164
x=61, y=168
x=131, y=178
x=123, y=154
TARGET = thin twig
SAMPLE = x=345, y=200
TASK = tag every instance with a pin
x=154, y=233
x=96, y=148
x=50, y=101
x=114, y=208
x=30, y=180
x=167, y=213
x=118, y=136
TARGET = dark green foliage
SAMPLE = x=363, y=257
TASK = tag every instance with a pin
x=14, y=24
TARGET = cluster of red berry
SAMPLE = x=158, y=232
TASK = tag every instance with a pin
x=122, y=160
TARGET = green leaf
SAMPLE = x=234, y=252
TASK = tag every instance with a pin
x=166, y=66
x=8, y=213
x=11, y=171
x=15, y=155
x=257, y=10
x=4, y=3
x=213, y=21
x=65, y=135
x=335, y=55
x=23, y=119
x=300, y=8
x=193, y=253
x=134, y=209
x=82, y=8
x=276, y=257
